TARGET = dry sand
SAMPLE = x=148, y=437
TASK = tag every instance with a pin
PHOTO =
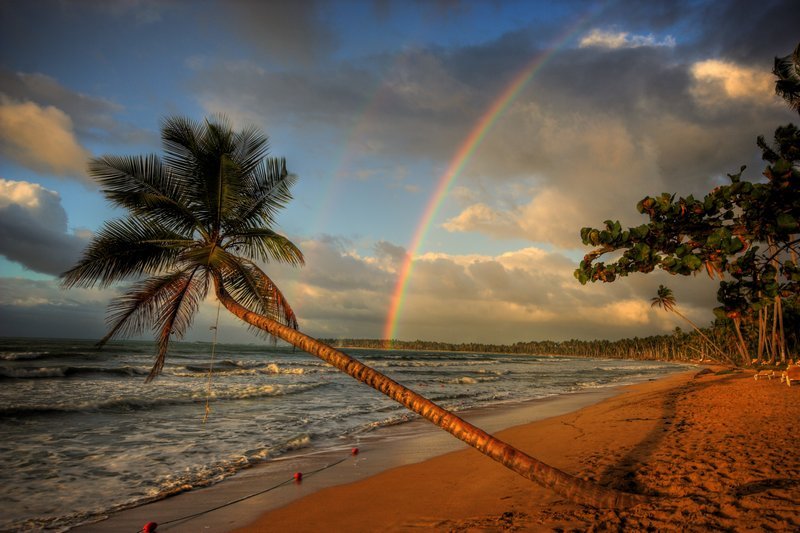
x=720, y=451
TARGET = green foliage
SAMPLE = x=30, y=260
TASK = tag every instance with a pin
x=744, y=232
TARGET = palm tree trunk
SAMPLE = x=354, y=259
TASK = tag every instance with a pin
x=568, y=486
x=713, y=345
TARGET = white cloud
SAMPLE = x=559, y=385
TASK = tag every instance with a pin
x=41, y=138
x=524, y=294
x=485, y=219
x=611, y=39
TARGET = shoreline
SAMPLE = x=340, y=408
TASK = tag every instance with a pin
x=380, y=450
x=717, y=450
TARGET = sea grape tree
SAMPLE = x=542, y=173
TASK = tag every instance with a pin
x=746, y=233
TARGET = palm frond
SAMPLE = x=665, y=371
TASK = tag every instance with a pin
x=252, y=146
x=267, y=191
x=250, y=286
x=182, y=298
x=145, y=187
x=787, y=69
x=125, y=248
x=265, y=244
x=137, y=309
x=179, y=137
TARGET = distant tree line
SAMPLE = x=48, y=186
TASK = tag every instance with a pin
x=677, y=346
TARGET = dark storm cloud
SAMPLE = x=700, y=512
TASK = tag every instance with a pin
x=33, y=229
x=285, y=31
x=31, y=308
x=747, y=31
x=742, y=30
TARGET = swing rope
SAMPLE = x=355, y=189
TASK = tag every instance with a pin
x=215, y=327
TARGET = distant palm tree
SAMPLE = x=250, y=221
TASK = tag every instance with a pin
x=787, y=69
x=202, y=217
x=666, y=300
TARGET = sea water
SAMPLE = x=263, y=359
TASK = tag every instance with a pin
x=82, y=434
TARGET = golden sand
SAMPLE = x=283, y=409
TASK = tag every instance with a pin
x=720, y=451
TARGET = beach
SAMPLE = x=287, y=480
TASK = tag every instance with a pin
x=717, y=450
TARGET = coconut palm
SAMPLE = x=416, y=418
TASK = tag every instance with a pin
x=787, y=69
x=200, y=218
x=666, y=300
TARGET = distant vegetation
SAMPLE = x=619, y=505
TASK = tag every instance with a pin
x=679, y=346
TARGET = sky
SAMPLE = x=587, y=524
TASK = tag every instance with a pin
x=474, y=137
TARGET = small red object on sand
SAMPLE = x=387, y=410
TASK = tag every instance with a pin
x=149, y=527
x=354, y=451
x=298, y=477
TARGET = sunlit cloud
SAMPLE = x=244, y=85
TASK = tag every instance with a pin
x=41, y=138
x=485, y=219
x=717, y=82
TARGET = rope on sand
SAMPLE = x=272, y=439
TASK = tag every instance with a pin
x=150, y=527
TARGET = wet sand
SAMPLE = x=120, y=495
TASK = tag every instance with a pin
x=378, y=451
x=718, y=451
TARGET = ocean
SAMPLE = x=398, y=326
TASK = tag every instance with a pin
x=83, y=435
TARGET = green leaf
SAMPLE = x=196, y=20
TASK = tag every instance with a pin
x=692, y=262
x=787, y=222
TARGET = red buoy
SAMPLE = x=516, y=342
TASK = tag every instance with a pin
x=149, y=527
x=298, y=477
x=354, y=451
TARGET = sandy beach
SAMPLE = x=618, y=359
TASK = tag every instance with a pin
x=719, y=451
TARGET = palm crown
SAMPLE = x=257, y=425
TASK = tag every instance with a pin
x=787, y=70
x=664, y=298
x=202, y=213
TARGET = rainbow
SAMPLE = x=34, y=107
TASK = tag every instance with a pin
x=460, y=159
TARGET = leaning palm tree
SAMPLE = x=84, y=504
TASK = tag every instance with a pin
x=200, y=218
x=666, y=300
x=787, y=86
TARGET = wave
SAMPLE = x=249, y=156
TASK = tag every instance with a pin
x=628, y=368
x=141, y=403
x=23, y=356
x=468, y=380
x=69, y=371
x=171, y=485
x=432, y=364
x=237, y=369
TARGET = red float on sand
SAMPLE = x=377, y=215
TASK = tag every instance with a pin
x=149, y=527
x=298, y=477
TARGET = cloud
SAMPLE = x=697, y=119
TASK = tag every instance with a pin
x=485, y=219
x=284, y=31
x=37, y=308
x=523, y=294
x=91, y=117
x=719, y=82
x=33, y=228
x=41, y=138
x=610, y=39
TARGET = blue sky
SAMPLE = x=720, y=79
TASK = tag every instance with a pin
x=369, y=102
